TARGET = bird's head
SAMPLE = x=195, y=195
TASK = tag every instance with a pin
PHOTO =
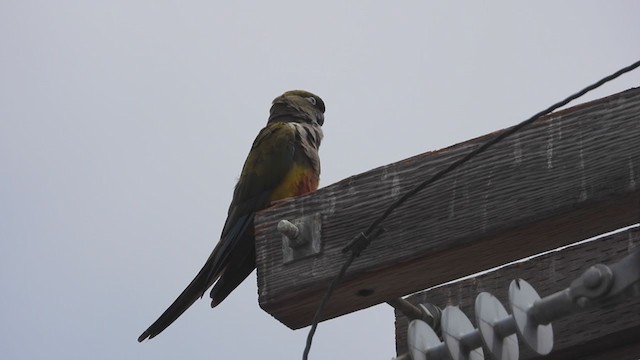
x=297, y=106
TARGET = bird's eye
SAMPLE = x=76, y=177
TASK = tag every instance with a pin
x=312, y=100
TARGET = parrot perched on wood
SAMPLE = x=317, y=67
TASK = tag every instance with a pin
x=283, y=162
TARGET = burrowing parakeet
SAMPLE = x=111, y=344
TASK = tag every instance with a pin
x=283, y=162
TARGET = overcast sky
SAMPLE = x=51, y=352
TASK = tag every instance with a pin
x=124, y=126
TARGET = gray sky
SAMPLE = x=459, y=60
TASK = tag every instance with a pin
x=124, y=126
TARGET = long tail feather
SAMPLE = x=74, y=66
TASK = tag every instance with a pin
x=215, y=266
x=189, y=295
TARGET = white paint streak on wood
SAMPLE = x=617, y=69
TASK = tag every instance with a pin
x=583, y=180
x=485, y=205
x=632, y=244
x=452, y=203
x=517, y=150
x=550, y=152
x=395, y=186
x=632, y=175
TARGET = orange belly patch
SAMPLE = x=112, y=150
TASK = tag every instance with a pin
x=299, y=180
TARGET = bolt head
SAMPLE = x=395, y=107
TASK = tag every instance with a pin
x=592, y=278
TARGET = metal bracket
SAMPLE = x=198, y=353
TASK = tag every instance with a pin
x=301, y=238
x=609, y=282
x=591, y=285
x=597, y=285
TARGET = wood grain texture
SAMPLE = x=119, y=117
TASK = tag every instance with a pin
x=569, y=176
x=598, y=333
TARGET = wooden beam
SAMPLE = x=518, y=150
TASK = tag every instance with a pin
x=598, y=333
x=569, y=176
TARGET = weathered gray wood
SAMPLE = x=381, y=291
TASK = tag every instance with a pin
x=593, y=334
x=569, y=176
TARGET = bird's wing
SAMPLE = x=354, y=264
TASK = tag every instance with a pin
x=277, y=167
x=268, y=162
